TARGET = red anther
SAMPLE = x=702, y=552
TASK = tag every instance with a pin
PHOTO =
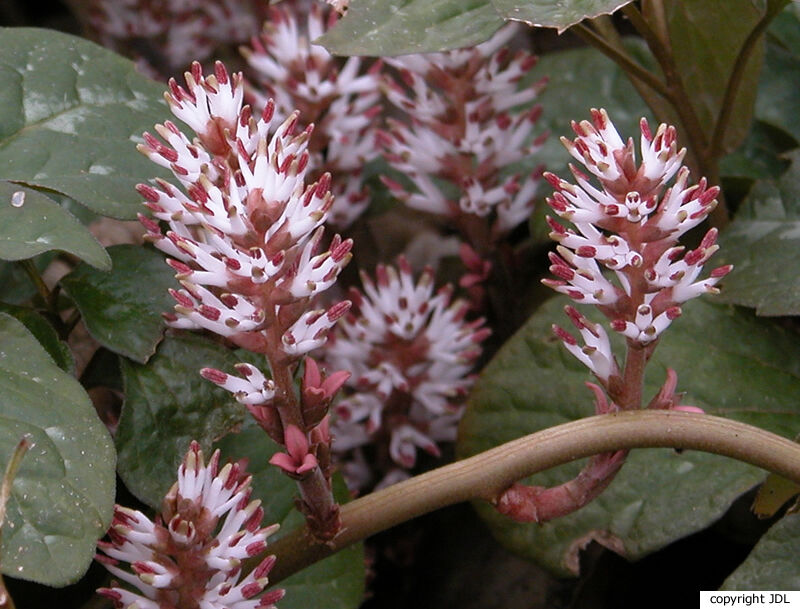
x=503, y=121
x=148, y=192
x=618, y=325
x=338, y=310
x=214, y=375
x=673, y=313
x=182, y=298
x=645, y=129
x=209, y=312
x=197, y=193
x=151, y=226
x=196, y=72
x=221, y=73
x=229, y=300
x=721, y=271
x=564, y=335
x=179, y=266
x=599, y=118
x=564, y=272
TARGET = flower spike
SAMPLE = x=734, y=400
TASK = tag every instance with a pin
x=193, y=553
x=410, y=351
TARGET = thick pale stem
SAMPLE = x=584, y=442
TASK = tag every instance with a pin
x=487, y=475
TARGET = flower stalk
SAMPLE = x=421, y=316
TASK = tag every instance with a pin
x=630, y=227
x=246, y=240
x=487, y=475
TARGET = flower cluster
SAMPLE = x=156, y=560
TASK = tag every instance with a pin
x=339, y=98
x=191, y=556
x=166, y=35
x=245, y=238
x=246, y=235
x=629, y=226
x=463, y=128
x=410, y=352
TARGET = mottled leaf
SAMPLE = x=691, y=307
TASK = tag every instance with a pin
x=63, y=494
x=71, y=113
x=772, y=565
x=560, y=15
x=728, y=362
x=338, y=579
x=167, y=405
x=31, y=223
x=761, y=242
x=399, y=27
x=122, y=308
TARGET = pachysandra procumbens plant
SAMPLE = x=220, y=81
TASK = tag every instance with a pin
x=246, y=240
x=627, y=227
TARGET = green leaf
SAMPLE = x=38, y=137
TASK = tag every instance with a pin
x=401, y=27
x=31, y=223
x=763, y=237
x=167, y=405
x=70, y=115
x=561, y=15
x=705, y=54
x=580, y=79
x=760, y=157
x=16, y=286
x=728, y=362
x=778, y=101
x=44, y=333
x=122, y=308
x=338, y=579
x=63, y=495
x=772, y=565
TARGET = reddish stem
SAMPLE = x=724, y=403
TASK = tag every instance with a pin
x=317, y=502
x=539, y=504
